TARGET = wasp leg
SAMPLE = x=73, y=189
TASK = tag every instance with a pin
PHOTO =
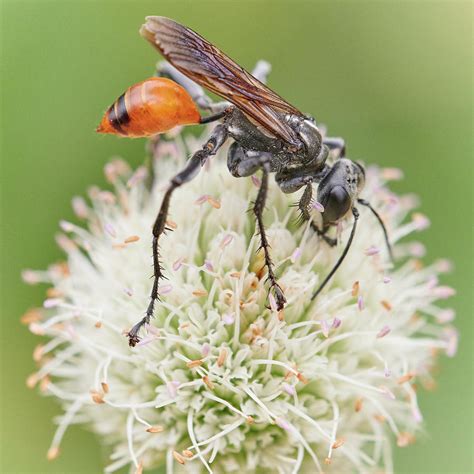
x=322, y=233
x=303, y=206
x=258, y=209
x=216, y=140
x=336, y=143
x=243, y=163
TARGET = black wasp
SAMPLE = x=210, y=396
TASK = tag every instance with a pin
x=268, y=134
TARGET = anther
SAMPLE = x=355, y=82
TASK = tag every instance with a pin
x=131, y=239
x=386, y=305
x=155, y=429
x=179, y=457
x=338, y=443
x=53, y=453
x=208, y=383
x=222, y=357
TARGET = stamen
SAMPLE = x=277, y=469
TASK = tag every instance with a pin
x=194, y=363
x=256, y=181
x=208, y=383
x=355, y=289
x=421, y=221
x=226, y=240
x=372, y=250
x=317, y=206
x=109, y=228
x=213, y=202
x=228, y=318
x=79, y=207
x=177, y=264
x=405, y=378
x=222, y=357
x=296, y=255
x=171, y=224
x=140, y=175
x=31, y=316
x=202, y=199
x=338, y=443
x=131, y=239
x=383, y=332
x=53, y=453
x=155, y=429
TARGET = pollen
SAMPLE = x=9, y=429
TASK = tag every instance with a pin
x=302, y=378
x=131, y=239
x=358, y=405
x=155, y=429
x=171, y=224
x=38, y=352
x=405, y=378
x=187, y=453
x=404, y=439
x=105, y=387
x=97, y=397
x=194, y=363
x=32, y=380
x=222, y=357
x=53, y=453
x=214, y=202
x=199, y=293
x=355, y=289
x=386, y=305
x=338, y=443
x=208, y=383
x=31, y=316
x=179, y=457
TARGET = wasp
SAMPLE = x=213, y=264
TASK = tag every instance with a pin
x=268, y=134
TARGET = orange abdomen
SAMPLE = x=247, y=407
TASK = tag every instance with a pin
x=153, y=106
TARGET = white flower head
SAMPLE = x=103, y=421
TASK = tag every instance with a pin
x=221, y=381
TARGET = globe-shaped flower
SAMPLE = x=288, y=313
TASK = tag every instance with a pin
x=222, y=382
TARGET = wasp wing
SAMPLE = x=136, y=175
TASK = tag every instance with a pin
x=205, y=64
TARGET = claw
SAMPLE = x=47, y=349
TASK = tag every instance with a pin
x=279, y=297
x=133, y=339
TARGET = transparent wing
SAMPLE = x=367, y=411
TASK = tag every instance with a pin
x=205, y=64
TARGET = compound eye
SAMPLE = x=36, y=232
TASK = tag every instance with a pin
x=337, y=205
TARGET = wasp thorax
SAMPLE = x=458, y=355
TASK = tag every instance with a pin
x=311, y=137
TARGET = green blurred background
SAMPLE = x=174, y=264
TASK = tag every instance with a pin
x=393, y=78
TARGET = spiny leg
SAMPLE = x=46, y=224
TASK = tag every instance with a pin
x=258, y=209
x=303, y=205
x=355, y=213
x=191, y=169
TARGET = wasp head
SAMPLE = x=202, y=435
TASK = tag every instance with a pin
x=339, y=189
